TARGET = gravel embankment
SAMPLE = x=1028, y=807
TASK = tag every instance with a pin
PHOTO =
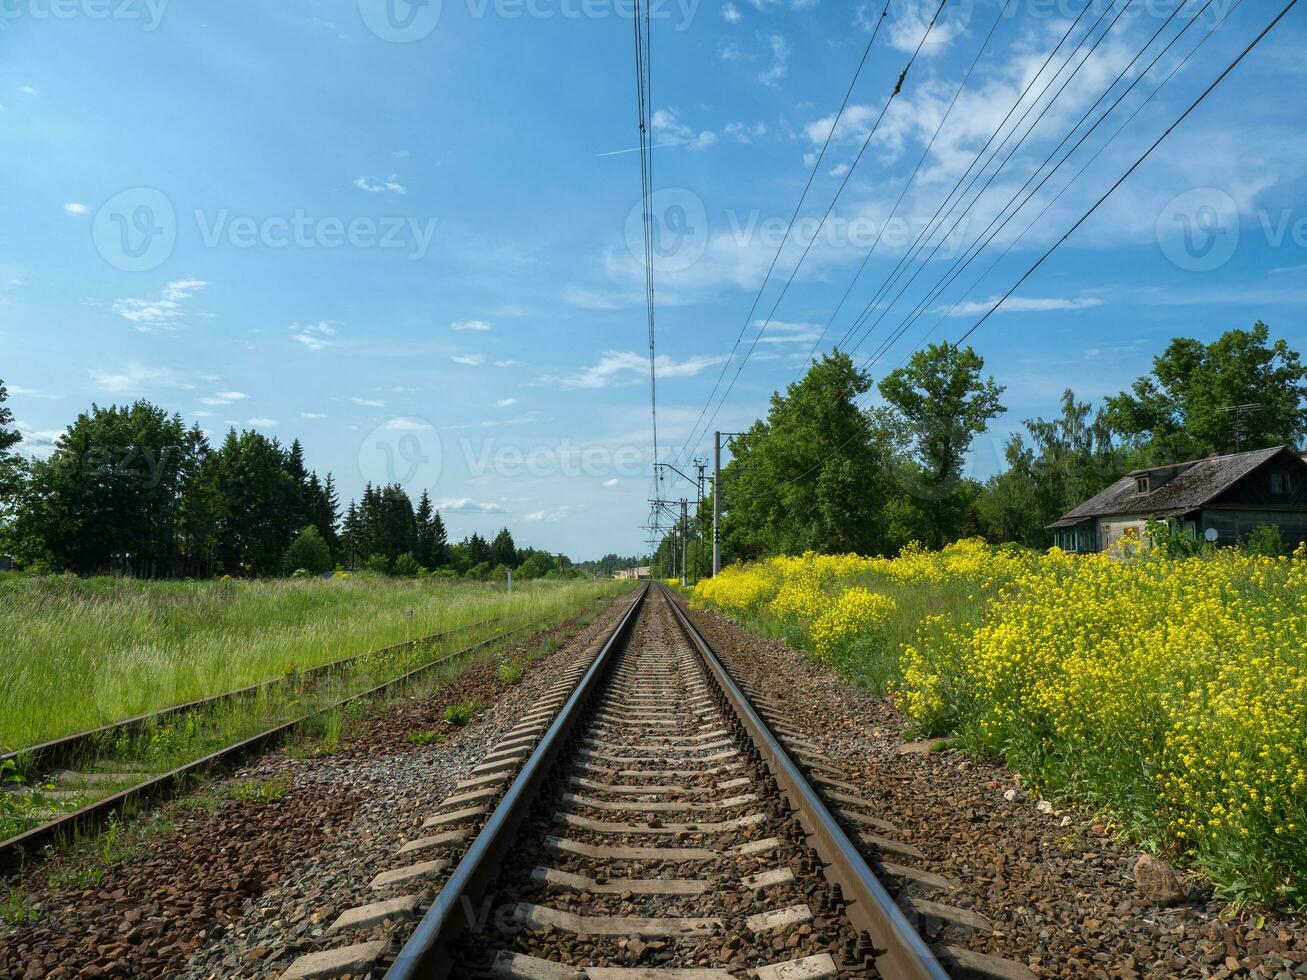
x=238, y=888
x=1058, y=887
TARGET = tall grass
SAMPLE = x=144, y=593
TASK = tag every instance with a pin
x=80, y=653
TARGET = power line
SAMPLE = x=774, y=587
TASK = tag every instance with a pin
x=1207, y=91
x=1058, y=196
x=848, y=175
x=793, y=217
x=903, y=193
x=972, y=252
x=1062, y=88
x=1133, y=167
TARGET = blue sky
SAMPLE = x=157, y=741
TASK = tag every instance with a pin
x=406, y=236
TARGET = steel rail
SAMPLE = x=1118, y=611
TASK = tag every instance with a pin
x=870, y=907
x=423, y=956
x=22, y=849
x=59, y=751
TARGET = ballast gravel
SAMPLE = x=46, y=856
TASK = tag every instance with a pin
x=1059, y=888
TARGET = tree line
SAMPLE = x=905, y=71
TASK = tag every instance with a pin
x=825, y=473
x=133, y=490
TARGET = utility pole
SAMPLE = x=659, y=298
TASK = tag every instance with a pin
x=698, y=519
x=685, y=537
x=1241, y=413
x=717, y=499
x=716, y=504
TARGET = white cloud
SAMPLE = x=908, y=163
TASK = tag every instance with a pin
x=315, y=336
x=780, y=332
x=731, y=13
x=72, y=207
x=224, y=398
x=368, y=402
x=479, y=326
x=1021, y=304
x=550, y=516
x=408, y=425
x=313, y=415
x=626, y=367
x=744, y=132
x=158, y=315
x=203, y=415
x=466, y=505
x=734, y=52
x=135, y=379
x=263, y=423
x=670, y=131
x=29, y=392
x=612, y=483
x=380, y=185
x=839, y=170
x=29, y=90
x=780, y=53
x=471, y=360
x=508, y=364
x=505, y=402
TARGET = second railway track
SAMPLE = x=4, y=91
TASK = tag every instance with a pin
x=645, y=821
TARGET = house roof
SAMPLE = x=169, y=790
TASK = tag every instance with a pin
x=1195, y=484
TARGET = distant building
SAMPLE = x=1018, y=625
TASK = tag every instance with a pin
x=1227, y=495
x=632, y=573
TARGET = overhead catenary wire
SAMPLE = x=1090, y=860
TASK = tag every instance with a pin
x=1134, y=166
x=996, y=225
x=1002, y=12
x=1061, y=89
x=848, y=175
x=948, y=198
x=1055, y=198
x=857, y=73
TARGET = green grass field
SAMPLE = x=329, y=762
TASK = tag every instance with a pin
x=80, y=653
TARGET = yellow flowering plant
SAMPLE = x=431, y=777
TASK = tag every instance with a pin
x=1169, y=692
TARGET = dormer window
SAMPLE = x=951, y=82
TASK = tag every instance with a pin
x=1282, y=483
x=1141, y=484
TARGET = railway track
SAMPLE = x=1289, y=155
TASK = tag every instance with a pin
x=30, y=845
x=647, y=820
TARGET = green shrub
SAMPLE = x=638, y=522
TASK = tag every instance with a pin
x=460, y=713
x=378, y=563
x=406, y=566
x=509, y=673
x=308, y=552
x=425, y=738
x=1266, y=541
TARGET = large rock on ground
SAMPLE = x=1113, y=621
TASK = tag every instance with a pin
x=1157, y=881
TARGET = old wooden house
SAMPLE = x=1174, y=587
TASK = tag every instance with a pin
x=1221, y=498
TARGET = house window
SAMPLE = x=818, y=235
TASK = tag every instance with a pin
x=1141, y=484
x=1282, y=483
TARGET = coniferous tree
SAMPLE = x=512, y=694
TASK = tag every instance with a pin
x=502, y=550
x=426, y=545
